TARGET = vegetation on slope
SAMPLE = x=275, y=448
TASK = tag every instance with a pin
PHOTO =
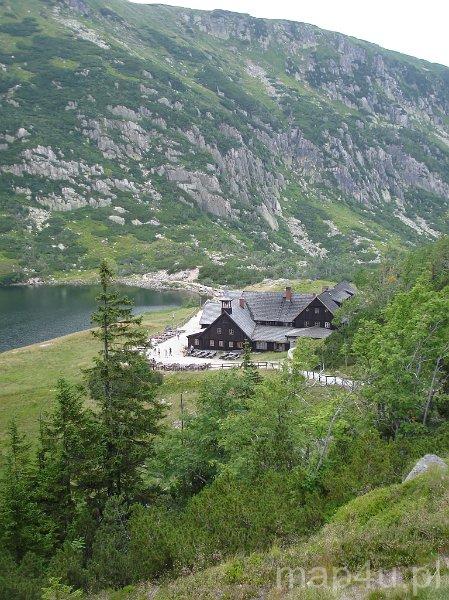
x=262, y=473
x=159, y=137
x=396, y=526
x=29, y=375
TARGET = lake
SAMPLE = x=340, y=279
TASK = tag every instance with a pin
x=36, y=314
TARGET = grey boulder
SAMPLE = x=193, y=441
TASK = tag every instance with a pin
x=429, y=461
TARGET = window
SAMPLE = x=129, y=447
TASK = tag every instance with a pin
x=239, y=344
x=317, y=310
x=231, y=332
x=317, y=323
x=231, y=344
x=306, y=323
x=218, y=329
x=197, y=342
x=327, y=325
x=212, y=343
x=220, y=343
x=261, y=345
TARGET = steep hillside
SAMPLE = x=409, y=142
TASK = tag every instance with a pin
x=391, y=529
x=163, y=137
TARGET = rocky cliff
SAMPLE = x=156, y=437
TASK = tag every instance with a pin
x=166, y=138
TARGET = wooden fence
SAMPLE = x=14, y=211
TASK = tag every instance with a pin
x=209, y=366
x=323, y=379
x=320, y=378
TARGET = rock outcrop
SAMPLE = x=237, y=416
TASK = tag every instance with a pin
x=424, y=464
x=281, y=147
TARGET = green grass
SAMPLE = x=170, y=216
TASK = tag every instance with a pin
x=65, y=63
x=304, y=286
x=396, y=526
x=177, y=384
x=29, y=375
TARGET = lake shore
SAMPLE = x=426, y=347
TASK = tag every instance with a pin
x=35, y=313
x=28, y=375
x=181, y=281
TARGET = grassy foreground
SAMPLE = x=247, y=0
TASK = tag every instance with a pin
x=399, y=529
x=28, y=375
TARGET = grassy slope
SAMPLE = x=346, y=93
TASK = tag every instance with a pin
x=396, y=526
x=305, y=286
x=28, y=375
x=350, y=219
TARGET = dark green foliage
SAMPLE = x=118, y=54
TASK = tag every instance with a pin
x=62, y=505
x=110, y=14
x=262, y=460
x=23, y=527
x=111, y=564
x=123, y=386
x=21, y=581
x=188, y=459
x=23, y=28
x=67, y=458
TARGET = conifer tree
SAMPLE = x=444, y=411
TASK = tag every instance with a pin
x=23, y=527
x=251, y=375
x=110, y=564
x=67, y=457
x=123, y=385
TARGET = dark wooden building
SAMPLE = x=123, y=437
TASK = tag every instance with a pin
x=268, y=320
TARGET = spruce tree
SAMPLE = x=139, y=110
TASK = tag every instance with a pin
x=251, y=375
x=67, y=457
x=123, y=386
x=23, y=526
x=110, y=565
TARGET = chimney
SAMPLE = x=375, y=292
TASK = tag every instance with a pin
x=242, y=302
x=226, y=305
x=288, y=293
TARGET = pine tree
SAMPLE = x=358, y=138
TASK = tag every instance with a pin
x=110, y=563
x=123, y=385
x=251, y=375
x=67, y=455
x=23, y=527
x=55, y=590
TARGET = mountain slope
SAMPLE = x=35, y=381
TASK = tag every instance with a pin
x=162, y=137
x=373, y=542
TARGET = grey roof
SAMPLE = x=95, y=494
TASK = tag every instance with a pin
x=267, y=333
x=272, y=306
x=342, y=291
x=242, y=318
x=211, y=311
x=328, y=301
x=318, y=333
